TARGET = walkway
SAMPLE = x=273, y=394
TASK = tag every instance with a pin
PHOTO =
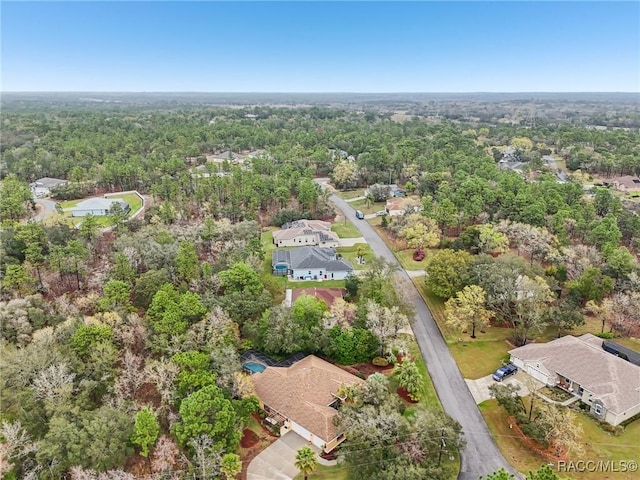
x=277, y=461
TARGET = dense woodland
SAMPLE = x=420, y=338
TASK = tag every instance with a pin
x=120, y=349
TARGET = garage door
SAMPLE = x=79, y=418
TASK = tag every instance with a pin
x=537, y=374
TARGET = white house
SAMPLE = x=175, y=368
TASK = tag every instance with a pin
x=304, y=398
x=609, y=385
x=98, y=207
x=310, y=263
x=306, y=232
x=43, y=186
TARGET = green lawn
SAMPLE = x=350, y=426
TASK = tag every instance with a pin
x=134, y=201
x=597, y=443
x=349, y=194
x=368, y=206
x=337, y=472
x=428, y=394
x=513, y=450
x=346, y=230
x=477, y=357
x=405, y=257
x=350, y=254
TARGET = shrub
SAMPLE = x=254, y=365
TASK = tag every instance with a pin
x=605, y=335
x=380, y=362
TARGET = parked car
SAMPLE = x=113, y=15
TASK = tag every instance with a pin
x=381, y=213
x=504, y=372
x=359, y=215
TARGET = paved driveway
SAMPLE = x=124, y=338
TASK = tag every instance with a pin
x=481, y=455
x=480, y=388
x=350, y=242
x=277, y=461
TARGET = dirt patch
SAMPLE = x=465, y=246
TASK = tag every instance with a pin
x=249, y=438
x=137, y=465
x=264, y=439
x=366, y=369
x=404, y=395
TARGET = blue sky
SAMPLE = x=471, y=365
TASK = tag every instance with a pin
x=321, y=47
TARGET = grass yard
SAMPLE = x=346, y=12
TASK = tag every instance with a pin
x=511, y=447
x=597, y=443
x=134, y=201
x=368, y=206
x=477, y=357
x=345, y=230
x=337, y=472
x=405, y=257
x=349, y=194
x=428, y=394
x=350, y=254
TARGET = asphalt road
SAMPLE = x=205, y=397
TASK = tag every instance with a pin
x=48, y=208
x=481, y=455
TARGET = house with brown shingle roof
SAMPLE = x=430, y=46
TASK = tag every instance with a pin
x=326, y=295
x=306, y=232
x=626, y=183
x=609, y=385
x=303, y=398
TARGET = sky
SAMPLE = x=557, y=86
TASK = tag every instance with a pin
x=320, y=46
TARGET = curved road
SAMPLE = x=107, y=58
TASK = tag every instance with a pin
x=48, y=208
x=481, y=455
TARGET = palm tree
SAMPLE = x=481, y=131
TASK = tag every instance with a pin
x=306, y=461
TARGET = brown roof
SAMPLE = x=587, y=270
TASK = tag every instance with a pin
x=327, y=295
x=303, y=391
x=627, y=181
x=611, y=379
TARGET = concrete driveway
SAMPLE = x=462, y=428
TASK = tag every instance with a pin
x=277, y=461
x=350, y=242
x=480, y=388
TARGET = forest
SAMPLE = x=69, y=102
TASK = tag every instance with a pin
x=120, y=346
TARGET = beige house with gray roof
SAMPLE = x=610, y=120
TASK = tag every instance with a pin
x=609, y=385
x=304, y=398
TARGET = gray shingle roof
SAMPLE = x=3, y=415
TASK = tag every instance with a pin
x=613, y=380
x=99, y=204
x=311, y=257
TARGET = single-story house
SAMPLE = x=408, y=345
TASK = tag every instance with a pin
x=310, y=263
x=609, y=385
x=626, y=183
x=400, y=206
x=98, y=206
x=43, y=186
x=393, y=191
x=327, y=295
x=304, y=398
x=306, y=232
x=227, y=156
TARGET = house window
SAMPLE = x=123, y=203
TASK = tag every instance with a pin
x=320, y=272
x=597, y=409
x=309, y=272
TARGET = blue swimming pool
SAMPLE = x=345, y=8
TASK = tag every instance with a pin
x=254, y=367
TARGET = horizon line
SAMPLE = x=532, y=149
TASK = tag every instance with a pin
x=319, y=92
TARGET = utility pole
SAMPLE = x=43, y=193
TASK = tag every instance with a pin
x=443, y=445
